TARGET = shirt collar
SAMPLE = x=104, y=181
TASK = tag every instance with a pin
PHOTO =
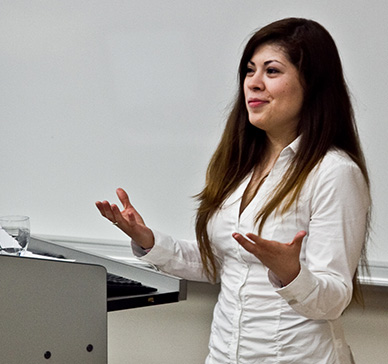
x=293, y=146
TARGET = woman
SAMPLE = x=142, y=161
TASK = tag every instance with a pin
x=283, y=217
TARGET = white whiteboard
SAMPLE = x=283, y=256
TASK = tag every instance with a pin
x=103, y=94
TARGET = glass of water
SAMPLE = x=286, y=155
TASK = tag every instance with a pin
x=14, y=234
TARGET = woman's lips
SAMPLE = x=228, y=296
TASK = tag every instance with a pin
x=256, y=102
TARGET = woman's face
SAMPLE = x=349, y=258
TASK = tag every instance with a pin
x=273, y=92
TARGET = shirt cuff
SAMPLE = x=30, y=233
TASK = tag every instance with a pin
x=160, y=253
x=299, y=289
x=137, y=250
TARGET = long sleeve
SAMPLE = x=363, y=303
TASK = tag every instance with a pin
x=177, y=257
x=339, y=206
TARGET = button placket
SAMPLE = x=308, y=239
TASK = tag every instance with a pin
x=233, y=350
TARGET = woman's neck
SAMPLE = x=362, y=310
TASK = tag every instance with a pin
x=275, y=144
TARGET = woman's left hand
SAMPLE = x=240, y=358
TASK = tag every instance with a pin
x=281, y=259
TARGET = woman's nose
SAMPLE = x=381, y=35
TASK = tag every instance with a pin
x=255, y=82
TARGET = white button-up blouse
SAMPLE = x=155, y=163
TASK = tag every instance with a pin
x=255, y=319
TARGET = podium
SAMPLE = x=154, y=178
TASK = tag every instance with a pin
x=52, y=312
x=55, y=311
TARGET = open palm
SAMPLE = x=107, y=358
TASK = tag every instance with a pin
x=128, y=219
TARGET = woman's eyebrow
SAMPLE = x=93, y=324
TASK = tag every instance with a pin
x=266, y=63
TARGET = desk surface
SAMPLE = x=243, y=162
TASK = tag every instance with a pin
x=117, y=258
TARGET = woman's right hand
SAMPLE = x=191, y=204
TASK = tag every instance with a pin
x=128, y=220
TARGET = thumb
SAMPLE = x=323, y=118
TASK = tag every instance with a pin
x=123, y=197
x=298, y=238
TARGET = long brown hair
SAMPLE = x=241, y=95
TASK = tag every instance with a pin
x=326, y=121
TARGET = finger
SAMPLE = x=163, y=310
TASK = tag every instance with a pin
x=260, y=246
x=119, y=219
x=127, y=224
x=245, y=242
x=106, y=210
x=298, y=239
x=100, y=208
x=255, y=238
x=123, y=197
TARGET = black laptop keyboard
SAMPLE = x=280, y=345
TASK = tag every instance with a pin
x=120, y=286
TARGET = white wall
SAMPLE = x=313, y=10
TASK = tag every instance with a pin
x=366, y=328
x=97, y=94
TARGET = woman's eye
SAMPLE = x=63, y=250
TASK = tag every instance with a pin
x=272, y=71
x=250, y=71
